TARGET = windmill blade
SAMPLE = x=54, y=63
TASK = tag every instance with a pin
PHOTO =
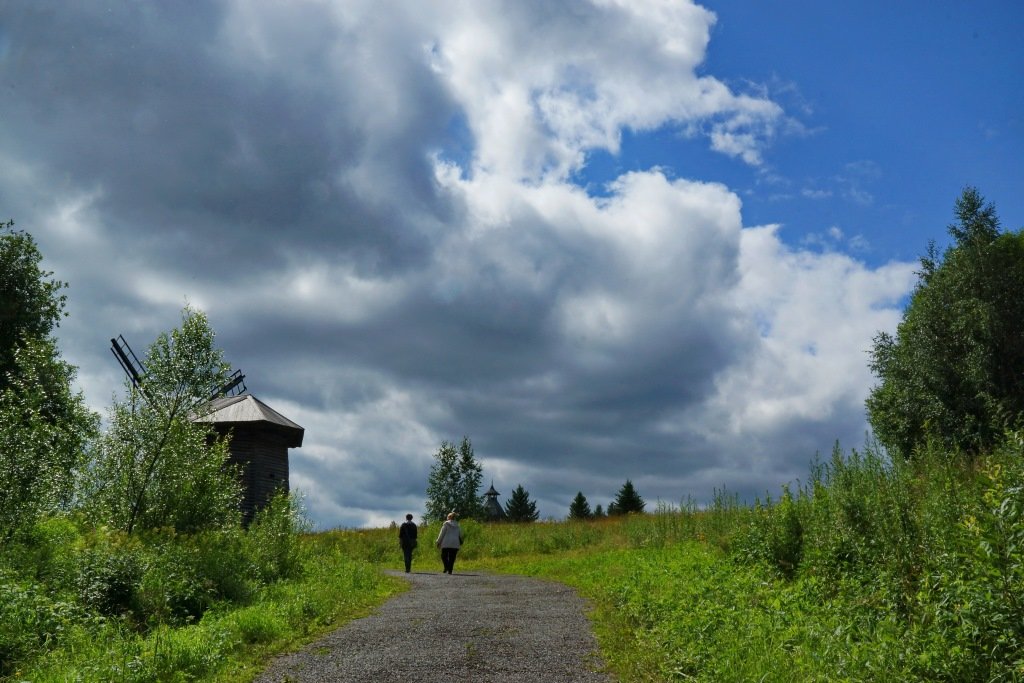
x=136, y=372
x=233, y=387
x=130, y=363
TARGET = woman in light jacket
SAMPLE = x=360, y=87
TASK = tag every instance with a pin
x=449, y=541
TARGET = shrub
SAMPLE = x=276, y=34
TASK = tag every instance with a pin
x=108, y=573
x=972, y=604
x=173, y=589
x=775, y=534
x=864, y=521
x=272, y=541
x=46, y=552
x=30, y=621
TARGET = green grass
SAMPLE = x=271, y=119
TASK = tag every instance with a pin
x=871, y=571
x=228, y=643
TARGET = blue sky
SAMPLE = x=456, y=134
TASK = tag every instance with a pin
x=605, y=239
x=899, y=106
x=902, y=105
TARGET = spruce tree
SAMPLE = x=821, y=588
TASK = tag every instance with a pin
x=519, y=508
x=471, y=503
x=626, y=501
x=580, y=508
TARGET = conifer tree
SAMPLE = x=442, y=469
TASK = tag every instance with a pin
x=519, y=508
x=580, y=508
x=626, y=501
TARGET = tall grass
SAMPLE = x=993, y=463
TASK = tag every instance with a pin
x=871, y=570
x=84, y=604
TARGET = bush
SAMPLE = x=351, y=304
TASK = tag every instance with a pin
x=972, y=601
x=162, y=577
x=30, y=621
x=109, y=570
x=46, y=552
x=858, y=517
x=174, y=589
x=864, y=522
x=272, y=541
x=775, y=535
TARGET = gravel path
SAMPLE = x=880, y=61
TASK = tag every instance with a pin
x=464, y=628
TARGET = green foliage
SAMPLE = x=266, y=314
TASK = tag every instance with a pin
x=273, y=538
x=133, y=601
x=627, y=500
x=580, y=508
x=156, y=467
x=454, y=483
x=925, y=555
x=954, y=372
x=30, y=620
x=31, y=304
x=972, y=609
x=110, y=568
x=856, y=514
x=44, y=425
x=195, y=628
x=777, y=532
x=873, y=570
x=519, y=508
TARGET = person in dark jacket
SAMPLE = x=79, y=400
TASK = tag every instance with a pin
x=407, y=539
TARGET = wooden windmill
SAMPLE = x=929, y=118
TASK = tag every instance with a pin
x=259, y=436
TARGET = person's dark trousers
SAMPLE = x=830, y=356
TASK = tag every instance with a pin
x=407, y=552
x=448, y=559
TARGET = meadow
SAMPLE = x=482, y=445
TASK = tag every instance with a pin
x=869, y=571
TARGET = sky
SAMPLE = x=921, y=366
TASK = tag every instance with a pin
x=606, y=240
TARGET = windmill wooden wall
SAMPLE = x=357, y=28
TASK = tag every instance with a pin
x=260, y=439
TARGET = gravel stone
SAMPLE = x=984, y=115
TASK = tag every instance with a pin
x=479, y=628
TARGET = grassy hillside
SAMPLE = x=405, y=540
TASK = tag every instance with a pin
x=868, y=572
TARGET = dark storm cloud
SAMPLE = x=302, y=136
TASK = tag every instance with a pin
x=220, y=161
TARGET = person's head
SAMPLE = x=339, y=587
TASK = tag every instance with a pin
x=408, y=518
x=451, y=515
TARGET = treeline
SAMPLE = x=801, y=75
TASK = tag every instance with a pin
x=627, y=501
x=136, y=524
x=454, y=486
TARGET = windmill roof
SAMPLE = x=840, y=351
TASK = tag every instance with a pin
x=247, y=408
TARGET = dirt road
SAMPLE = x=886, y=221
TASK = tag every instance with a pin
x=464, y=628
